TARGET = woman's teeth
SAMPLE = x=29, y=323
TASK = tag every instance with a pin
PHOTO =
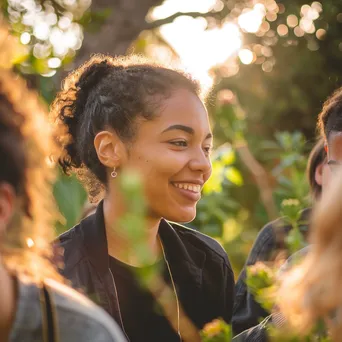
x=188, y=186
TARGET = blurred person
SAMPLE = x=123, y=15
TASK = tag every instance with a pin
x=35, y=305
x=330, y=126
x=271, y=241
x=310, y=292
x=124, y=114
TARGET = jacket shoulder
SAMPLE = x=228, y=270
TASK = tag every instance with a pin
x=270, y=228
x=269, y=238
x=69, y=235
x=273, y=230
x=204, y=242
x=68, y=248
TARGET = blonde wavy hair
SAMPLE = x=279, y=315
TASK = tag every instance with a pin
x=312, y=291
x=26, y=143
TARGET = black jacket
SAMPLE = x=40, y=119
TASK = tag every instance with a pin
x=200, y=267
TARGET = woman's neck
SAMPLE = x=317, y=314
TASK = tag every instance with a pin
x=8, y=302
x=125, y=245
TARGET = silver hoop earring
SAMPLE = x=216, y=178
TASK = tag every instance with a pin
x=114, y=173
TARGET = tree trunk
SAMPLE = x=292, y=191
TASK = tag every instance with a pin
x=122, y=27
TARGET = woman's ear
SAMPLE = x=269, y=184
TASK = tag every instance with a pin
x=7, y=205
x=319, y=174
x=109, y=149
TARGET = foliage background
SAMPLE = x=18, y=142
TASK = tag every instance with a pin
x=263, y=113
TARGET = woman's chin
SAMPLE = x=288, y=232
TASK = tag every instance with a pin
x=182, y=216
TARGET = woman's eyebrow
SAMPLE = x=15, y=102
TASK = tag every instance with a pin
x=186, y=129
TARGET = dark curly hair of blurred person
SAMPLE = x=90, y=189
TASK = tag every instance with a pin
x=25, y=145
x=110, y=92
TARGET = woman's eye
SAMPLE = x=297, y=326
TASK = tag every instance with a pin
x=180, y=143
x=207, y=150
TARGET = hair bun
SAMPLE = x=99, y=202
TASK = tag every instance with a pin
x=92, y=77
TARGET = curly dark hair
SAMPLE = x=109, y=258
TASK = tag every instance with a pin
x=109, y=92
x=25, y=146
x=330, y=118
x=12, y=156
x=316, y=157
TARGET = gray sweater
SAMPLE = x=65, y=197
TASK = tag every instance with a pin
x=78, y=318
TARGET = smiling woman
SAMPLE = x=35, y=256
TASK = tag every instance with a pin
x=123, y=114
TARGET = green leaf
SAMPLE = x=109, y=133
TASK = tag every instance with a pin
x=70, y=197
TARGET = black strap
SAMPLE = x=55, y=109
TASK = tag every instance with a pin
x=49, y=323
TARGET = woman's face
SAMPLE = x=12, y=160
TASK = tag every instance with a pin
x=172, y=155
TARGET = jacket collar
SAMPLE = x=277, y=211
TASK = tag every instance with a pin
x=185, y=257
x=176, y=249
x=95, y=240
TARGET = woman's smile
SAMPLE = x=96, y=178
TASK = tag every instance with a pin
x=191, y=191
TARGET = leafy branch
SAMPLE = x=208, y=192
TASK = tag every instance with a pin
x=216, y=15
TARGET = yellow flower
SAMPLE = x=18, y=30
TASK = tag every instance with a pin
x=213, y=328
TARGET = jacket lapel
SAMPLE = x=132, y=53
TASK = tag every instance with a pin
x=95, y=242
x=186, y=261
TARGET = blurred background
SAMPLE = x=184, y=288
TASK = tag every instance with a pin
x=271, y=64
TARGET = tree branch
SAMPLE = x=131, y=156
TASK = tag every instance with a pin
x=124, y=24
x=219, y=15
x=260, y=176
